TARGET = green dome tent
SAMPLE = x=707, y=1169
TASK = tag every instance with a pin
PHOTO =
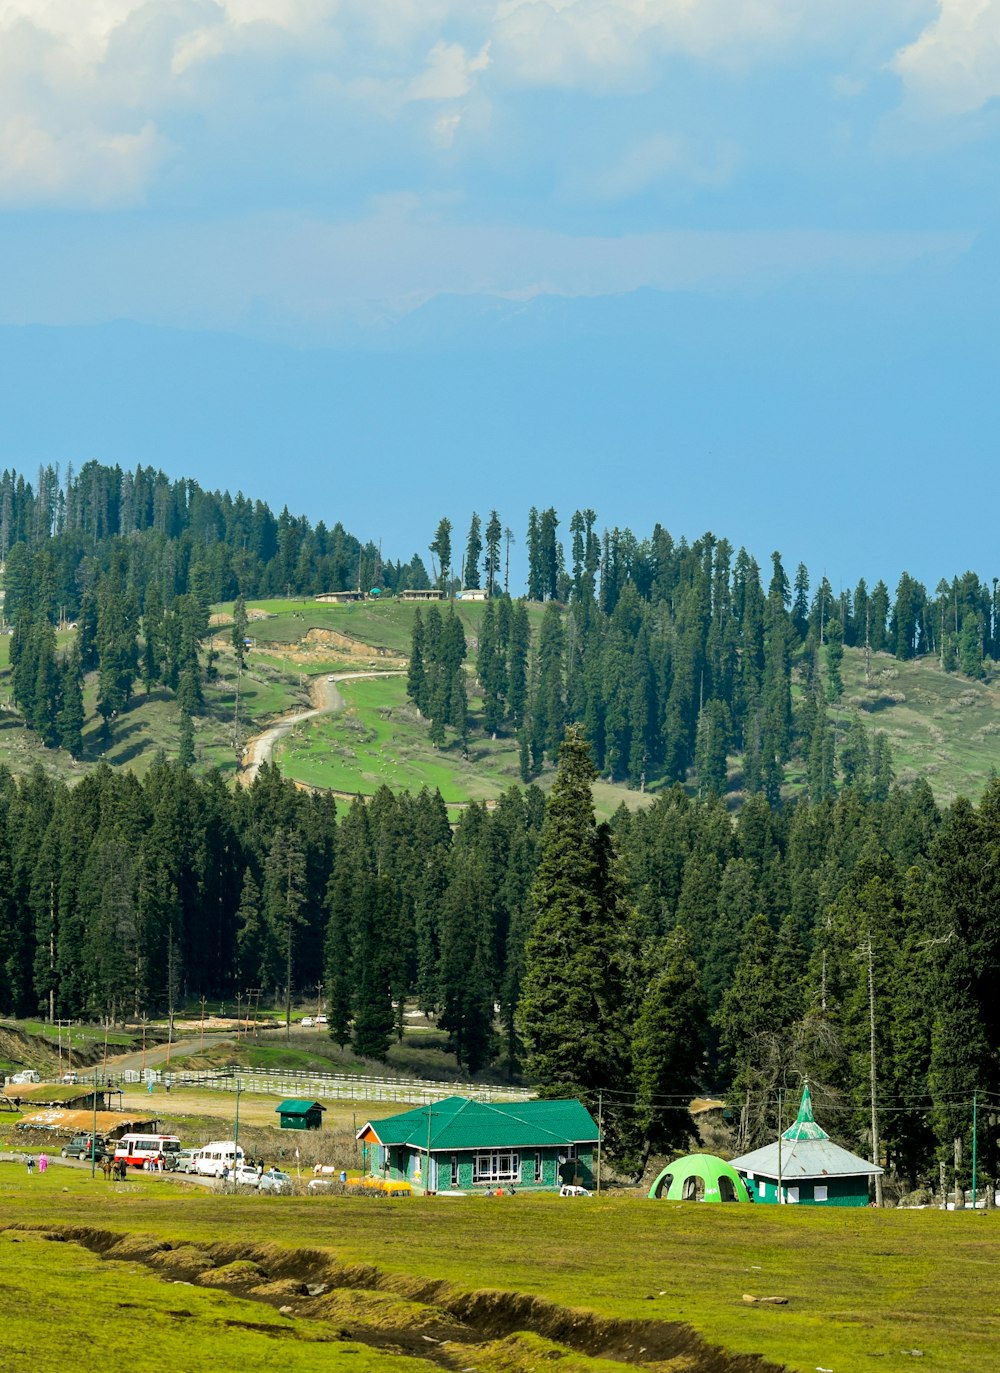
x=699, y=1177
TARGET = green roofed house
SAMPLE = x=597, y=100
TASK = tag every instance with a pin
x=699, y=1177
x=457, y=1145
x=300, y=1115
x=812, y=1170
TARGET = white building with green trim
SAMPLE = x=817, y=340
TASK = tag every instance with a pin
x=813, y=1171
x=458, y=1145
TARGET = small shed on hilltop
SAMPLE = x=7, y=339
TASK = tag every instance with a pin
x=300, y=1115
x=458, y=1145
x=699, y=1177
x=339, y=597
x=422, y=594
x=805, y=1166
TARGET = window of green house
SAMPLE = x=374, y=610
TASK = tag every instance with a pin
x=496, y=1167
x=538, y=1167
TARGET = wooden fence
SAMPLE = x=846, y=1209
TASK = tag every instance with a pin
x=327, y=1086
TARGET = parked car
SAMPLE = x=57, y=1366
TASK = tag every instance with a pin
x=321, y=1020
x=245, y=1175
x=26, y=1075
x=183, y=1162
x=84, y=1147
x=307, y=1022
x=274, y=1180
x=70, y=1079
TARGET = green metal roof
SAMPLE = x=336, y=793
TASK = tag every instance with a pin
x=457, y=1123
x=294, y=1107
x=805, y=1126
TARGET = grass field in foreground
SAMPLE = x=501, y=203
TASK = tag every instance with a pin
x=864, y=1288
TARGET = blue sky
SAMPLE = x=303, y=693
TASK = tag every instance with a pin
x=721, y=264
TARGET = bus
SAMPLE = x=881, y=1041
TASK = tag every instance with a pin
x=138, y=1150
x=212, y=1158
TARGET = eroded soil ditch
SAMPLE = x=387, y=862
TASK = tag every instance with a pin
x=449, y=1327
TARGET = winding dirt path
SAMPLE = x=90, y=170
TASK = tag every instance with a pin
x=327, y=699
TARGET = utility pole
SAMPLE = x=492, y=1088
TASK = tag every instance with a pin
x=871, y=1055
x=427, y=1176
x=781, y=1189
x=975, y=1141
x=600, y=1132
x=93, y=1132
x=236, y=1130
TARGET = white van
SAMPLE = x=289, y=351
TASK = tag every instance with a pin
x=212, y=1158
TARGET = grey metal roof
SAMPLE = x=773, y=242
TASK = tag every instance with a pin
x=807, y=1151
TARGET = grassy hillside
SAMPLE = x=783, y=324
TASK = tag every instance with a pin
x=940, y=725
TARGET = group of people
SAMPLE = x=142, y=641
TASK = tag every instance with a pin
x=43, y=1164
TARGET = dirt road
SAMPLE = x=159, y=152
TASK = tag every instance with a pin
x=327, y=699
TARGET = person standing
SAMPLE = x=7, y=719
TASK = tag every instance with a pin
x=43, y=1163
x=31, y=1166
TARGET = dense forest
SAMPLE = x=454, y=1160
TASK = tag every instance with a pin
x=675, y=949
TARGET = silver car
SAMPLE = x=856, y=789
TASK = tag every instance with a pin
x=274, y=1180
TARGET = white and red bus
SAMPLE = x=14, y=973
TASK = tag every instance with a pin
x=138, y=1150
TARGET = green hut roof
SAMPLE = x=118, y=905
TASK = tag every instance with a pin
x=456, y=1123
x=805, y=1126
x=294, y=1107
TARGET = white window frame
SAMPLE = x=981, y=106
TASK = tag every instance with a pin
x=821, y=1192
x=496, y=1166
x=539, y=1166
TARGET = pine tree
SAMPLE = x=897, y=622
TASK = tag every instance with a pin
x=441, y=548
x=517, y=665
x=667, y=1044
x=571, y=1014
x=536, y=572
x=253, y=961
x=71, y=714
x=494, y=535
x=473, y=551
x=416, y=680
x=185, y=748
x=285, y=892
x=834, y=654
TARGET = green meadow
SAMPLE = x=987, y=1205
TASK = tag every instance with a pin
x=510, y=1283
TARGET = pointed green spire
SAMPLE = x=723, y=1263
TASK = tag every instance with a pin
x=805, y=1126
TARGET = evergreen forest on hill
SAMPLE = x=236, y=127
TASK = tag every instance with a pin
x=690, y=945
x=682, y=661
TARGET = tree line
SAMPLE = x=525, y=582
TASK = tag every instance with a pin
x=674, y=949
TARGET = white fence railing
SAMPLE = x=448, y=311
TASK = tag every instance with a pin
x=328, y=1086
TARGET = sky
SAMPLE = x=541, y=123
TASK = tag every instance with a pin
x=728, y=265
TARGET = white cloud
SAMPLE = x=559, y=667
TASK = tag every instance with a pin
x=608, y=43
x=449, y=72
x=87, y=165
x=954, y=65
x=121, y=77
